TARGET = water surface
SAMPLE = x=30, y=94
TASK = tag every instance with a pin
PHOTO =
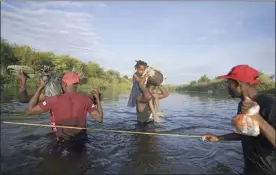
x=23, y=147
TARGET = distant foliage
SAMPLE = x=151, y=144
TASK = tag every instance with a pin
x=204, y=79
x=204, y=84
x=91, y=74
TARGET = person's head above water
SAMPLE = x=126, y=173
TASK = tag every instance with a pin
x=69, y=82
x=140, y=66
x=240, y=80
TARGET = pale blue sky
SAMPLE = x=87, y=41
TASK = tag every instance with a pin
x=183, y=39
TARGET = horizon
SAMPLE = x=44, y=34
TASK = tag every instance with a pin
x=185, y=40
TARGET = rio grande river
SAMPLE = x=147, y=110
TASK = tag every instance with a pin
x=23, y=147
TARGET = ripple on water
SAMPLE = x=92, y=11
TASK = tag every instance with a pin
x=26, y=149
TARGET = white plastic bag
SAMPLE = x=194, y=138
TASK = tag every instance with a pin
x=245, y=124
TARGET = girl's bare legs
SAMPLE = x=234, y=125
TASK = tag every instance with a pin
x=159, y=113
x=156, y=117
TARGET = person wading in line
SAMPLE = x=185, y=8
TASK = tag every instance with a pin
x=259, y=152
x=69, y=109
x=144, y=114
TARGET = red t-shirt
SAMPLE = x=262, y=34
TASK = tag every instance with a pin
x=69, y=109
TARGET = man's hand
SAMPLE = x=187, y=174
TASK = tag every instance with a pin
x=155, y=96
x=210, y=138
x=251, y=107
x=22, y=77
x=247, y=103
x=42, y=85
x=96, y=93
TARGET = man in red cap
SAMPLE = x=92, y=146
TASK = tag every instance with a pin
x=259, y=152
x=69, y=109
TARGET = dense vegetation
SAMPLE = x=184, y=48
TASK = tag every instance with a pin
x=91, y=74
x=204, y=84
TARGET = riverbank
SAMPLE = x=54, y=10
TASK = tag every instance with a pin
x=218, y=86
x=92, y=75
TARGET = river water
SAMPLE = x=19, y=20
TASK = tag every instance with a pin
x=23, y=147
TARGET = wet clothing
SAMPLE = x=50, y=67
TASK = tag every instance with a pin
x=144, y=116
x=64, y=148
x=134, y=93
x=53, y=123
x=259, y=154
x=69, y=109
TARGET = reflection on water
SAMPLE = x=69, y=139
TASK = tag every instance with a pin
x=27, y=149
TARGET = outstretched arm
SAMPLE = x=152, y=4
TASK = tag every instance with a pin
x=226, y=137
x=23, y=96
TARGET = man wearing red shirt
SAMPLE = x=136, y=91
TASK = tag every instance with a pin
x=69, y=109
x=54, y=88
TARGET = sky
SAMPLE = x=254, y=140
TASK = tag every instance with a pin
x=185, y=40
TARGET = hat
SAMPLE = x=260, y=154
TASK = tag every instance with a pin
x=243, y=73
x=71, y=78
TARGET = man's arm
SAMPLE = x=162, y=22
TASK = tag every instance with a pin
x=96, y=113
x=226, y=137
x=23, y=93
x=34, y=107
x=146, y=96
x=268, y=128
x=164, y=93
x=230, y=137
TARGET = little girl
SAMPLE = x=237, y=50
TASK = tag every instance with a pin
x=135, y=91
x=142, y=72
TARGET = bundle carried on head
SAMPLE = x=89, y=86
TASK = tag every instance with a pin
x=155, y=77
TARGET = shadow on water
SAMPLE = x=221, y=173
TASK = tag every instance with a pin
x=144, y=157
x=27, y=149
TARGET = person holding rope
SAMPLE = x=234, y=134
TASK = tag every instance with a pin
x=69, y=109
x=259, y=151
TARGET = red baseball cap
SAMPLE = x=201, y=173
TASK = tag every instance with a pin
x=243, y=73
x=71, y=78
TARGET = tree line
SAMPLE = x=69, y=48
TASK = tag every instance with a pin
x=91, y=73
x=217, y=85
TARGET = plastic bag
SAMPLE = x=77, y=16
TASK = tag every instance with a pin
x=155, y=77
x=245, y=124
x=53, y=88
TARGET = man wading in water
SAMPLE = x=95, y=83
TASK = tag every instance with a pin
x=142, y=101
x=69, y=109
x=259, y=152
x=54, y=88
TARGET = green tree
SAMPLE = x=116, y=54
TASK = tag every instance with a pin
x=7, y=55
x=203, y=79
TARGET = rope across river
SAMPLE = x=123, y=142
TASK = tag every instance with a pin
x=104, y=130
